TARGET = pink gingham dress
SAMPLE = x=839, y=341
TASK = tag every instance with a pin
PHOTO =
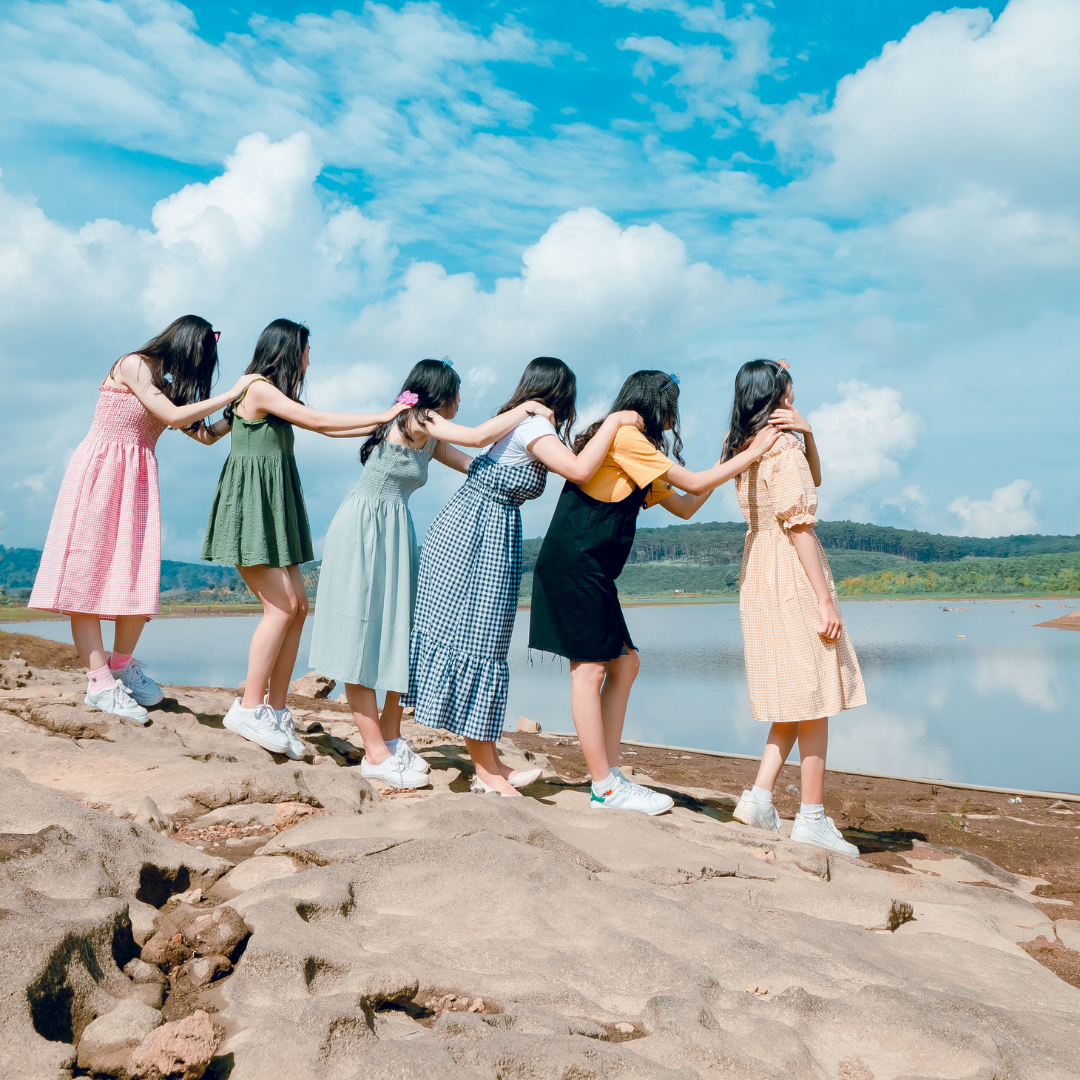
x=103, y=552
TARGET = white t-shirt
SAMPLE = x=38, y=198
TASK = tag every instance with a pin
x=513, y=449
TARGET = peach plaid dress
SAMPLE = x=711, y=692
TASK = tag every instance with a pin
x=103, y=552
x=791, y=672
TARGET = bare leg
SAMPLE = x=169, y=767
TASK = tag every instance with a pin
x=282, y=673
x=390, y=720
x=586, y=684
x=365, y=713
x=781, y=740
x=813, y=745
x=621, y=673
x=127, y=633
x=86, y=633
x=276, y=590
x=489, y=768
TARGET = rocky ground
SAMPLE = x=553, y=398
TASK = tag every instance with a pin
x=176, y=902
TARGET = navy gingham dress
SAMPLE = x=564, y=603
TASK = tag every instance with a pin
x=470, y=573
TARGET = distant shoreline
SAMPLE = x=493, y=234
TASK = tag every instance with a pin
x=13, y=614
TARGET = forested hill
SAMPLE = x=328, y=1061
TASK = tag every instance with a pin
x=719, y=543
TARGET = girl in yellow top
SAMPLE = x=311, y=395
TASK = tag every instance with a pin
x=575, y=603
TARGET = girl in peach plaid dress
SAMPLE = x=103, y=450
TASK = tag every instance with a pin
x=102, y=557
x=800, y=664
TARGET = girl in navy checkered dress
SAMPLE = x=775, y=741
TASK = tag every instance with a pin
x=470, y=572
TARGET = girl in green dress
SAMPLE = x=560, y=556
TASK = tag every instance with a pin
x=258, y=522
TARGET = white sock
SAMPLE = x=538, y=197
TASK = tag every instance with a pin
x=815, y=811
x=763, y=797
x=605, y=785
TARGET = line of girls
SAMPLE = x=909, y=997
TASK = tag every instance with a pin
x=433, y=631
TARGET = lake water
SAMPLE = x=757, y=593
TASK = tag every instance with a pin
x=999, y=705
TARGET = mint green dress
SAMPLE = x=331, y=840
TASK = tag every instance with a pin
x=258, y=517
x=367, y=584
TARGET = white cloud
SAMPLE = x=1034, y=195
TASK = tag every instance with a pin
x=860, y=437
x=1009, y=511
x=911, y=496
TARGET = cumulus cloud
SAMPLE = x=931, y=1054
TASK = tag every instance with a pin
x=860, y=438
x=1009, y=511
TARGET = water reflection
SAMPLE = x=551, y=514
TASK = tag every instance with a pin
x=998, y=705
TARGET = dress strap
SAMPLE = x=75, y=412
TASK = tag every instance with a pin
x=261, y=378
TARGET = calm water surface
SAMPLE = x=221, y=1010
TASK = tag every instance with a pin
x=977, y=694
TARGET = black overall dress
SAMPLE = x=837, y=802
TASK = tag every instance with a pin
x=575, y=604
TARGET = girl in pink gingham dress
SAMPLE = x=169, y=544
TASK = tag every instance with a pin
x=102, y=557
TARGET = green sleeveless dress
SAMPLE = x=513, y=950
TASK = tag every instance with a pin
x=258, y=517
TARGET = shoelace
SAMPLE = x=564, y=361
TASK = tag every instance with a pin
x=136, y=669
x=122, y=695
x=286, y=721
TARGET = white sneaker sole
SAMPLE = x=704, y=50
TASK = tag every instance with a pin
x=267, y=744
x=823, y=846
x=395, y=783
x=745, y=818
x=144, y=719
x=632, y=809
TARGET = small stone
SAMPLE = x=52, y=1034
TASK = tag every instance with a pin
x=181, y=1050
x=312, y=685
x=144, y=920
x=527, y=726
x=139, y=971
x=165, y=951
x=219, y=932
x=477, y=1005
x=625, y=1028
x=149, y=814
x=204, y=969
x=235, y=841
x=106, y=1041
x=192, y=896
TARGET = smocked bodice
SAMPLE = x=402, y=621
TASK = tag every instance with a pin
x=393, y=472
x=121, y=417
x=269, y=437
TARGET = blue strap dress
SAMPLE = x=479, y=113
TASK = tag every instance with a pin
x=367, y=585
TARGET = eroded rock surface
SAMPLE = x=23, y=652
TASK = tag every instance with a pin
x=445, y=934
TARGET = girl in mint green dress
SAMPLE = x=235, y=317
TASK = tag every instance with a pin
x=367, y=584
x=258, y=522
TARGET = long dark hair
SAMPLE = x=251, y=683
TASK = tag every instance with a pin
x=435, y=384
x=279, y=356
x=182, y=359
x=655, y=396
x=759, y=387
x=549, y=380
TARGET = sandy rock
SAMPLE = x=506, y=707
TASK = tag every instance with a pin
x=149, y=814
x=204, y=969
x=289, y=814
x=312, y=685
x=1068, y=932
x=241, y=814
x=253, y=872
x=181, y=1050
x=104, y=1046
x=76, y=721
x=222, y=931
x=530, y=727
x=149, y=983
x=144, y=920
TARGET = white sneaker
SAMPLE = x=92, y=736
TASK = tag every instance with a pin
x=258, y=725
x=410, y=758
x=393, y=771
x=118, y=701
x=520, y=779
x=623, y=795
x=139, y=685
x=822, y=833
x=287, y=726
x=757, y=815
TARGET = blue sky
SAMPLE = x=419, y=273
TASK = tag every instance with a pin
x=885, y=194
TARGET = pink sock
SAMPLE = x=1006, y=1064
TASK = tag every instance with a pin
x=119, y=660
x=100, y=679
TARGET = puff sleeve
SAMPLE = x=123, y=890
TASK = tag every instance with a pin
x=790, y=486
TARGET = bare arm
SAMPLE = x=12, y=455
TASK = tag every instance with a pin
x=704, y=483
x=452, y=457
x=132, y=371
x=581, y=468
x=684, y=506
x=489, y=431
x=806, y=547
x=208, y=434
x=793, y=420
x=265, y=399
x=353, y=433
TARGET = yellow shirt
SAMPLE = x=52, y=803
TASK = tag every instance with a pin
x=632, y=463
